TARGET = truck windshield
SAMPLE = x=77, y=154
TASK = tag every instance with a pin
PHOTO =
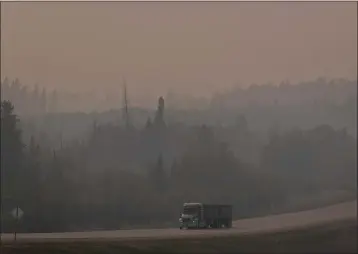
x=190, y=210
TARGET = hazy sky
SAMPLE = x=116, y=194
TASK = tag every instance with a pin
x=201, y=47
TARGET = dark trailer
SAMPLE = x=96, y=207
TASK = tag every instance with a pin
x=199, y=215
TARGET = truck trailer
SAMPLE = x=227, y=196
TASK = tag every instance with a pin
x=199, y=215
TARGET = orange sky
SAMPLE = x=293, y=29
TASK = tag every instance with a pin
x=198, y=47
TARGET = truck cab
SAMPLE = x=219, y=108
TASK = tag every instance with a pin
x=199, y=215
x=191, y=215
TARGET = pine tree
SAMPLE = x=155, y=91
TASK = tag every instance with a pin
x=148, y=124
x=159, y=116
x=158, y=174
x=12, y=155
x=43, y=101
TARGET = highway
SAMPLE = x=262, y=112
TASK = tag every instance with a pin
x=281, y=222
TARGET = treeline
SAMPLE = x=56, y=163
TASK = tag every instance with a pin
x=34, y=101
x=28, y=101
x=316, y=93
x=319, y=92
x=123, y=175
x=303, y=105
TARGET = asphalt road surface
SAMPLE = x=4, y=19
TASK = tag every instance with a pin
x=281, y=222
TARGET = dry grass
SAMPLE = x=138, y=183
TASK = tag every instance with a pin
x=332, y=238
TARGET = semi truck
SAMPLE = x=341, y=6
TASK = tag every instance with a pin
x=199, y=215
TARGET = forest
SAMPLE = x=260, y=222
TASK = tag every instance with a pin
x=258, y=151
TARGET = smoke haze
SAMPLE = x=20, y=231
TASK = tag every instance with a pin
x=192, y=48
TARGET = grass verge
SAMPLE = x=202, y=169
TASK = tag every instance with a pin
x=337, y=237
